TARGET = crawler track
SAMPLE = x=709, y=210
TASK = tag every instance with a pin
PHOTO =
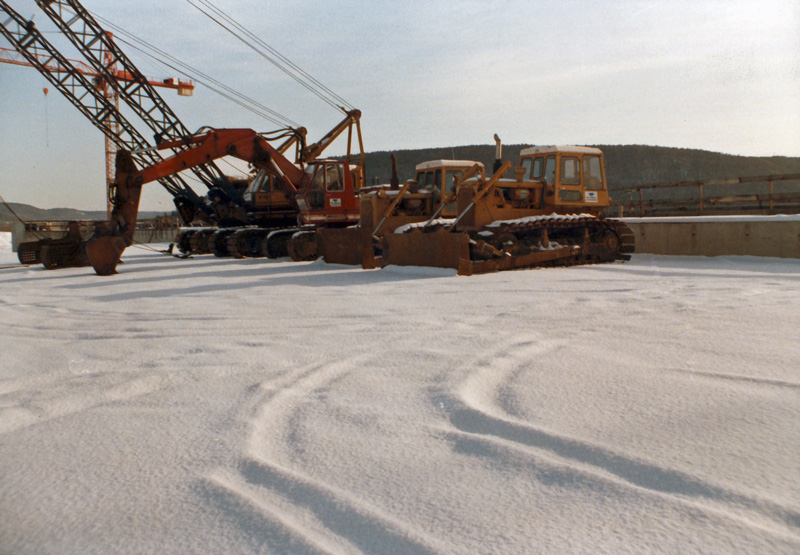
x=598, y=240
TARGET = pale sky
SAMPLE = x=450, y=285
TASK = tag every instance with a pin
x=717, y=75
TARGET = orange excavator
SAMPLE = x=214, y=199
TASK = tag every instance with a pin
x=323, y=192
x=269, y=214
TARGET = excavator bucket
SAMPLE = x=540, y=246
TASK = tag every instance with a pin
x=350, y=245
x=104, y=253
x=438, y=249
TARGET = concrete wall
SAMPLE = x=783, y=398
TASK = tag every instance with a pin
x=777, y=236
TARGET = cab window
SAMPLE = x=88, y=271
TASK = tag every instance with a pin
x=550, y=169
x=526, y=163
x=450, y=179
x=316, y=191
x=592, y=173
x=335, y=179
x=437, y=185
x=538, y=168
x=260, y=183
x=318, y=183
x=570, y=170
x=449, y=184
x=423, y=179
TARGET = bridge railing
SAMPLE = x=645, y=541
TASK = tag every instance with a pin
x=765, y=195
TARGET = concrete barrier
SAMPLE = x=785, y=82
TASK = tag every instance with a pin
x=155, y=235
x=777, y=236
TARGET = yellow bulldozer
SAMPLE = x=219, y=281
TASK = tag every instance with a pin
x=454, y=215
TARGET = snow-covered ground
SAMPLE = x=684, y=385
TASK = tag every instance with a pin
x=221, y=406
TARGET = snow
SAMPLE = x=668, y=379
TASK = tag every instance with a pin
x=213, y=405
x=713, y=219
x=419, y=225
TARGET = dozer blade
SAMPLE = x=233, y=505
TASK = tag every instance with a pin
x=439, y=249
x=351, y=245
x=442, y=249
x=104, y=254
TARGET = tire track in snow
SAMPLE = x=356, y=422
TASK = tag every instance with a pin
x=475, y=411
x=737, y=378
x=33, y=408
x=259, y=516
x=284, y=396
x=487, y=386
x=309, y=513
x=317, y=515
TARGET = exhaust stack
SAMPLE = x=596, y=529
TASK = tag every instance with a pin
x=394, y=184
x=498, y=153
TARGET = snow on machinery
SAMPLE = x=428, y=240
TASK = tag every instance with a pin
x=270, y=214
x=324, y=191
x=548, y=214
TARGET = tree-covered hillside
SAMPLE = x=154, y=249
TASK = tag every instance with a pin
x=625, y=164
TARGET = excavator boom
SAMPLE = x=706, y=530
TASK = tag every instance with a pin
x=314, y=151
x=105, y=249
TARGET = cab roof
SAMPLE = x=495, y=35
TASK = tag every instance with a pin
x=434, y=164
x=560, y=148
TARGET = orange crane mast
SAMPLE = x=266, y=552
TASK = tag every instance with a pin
x=184, y=88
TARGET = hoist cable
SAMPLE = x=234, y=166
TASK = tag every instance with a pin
x=284, y=59
x=192, y=73
x=293, y=71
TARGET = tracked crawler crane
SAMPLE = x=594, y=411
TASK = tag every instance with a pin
x=323, y=192
x=272, y=217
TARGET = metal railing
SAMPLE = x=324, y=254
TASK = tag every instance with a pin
x=770, y=194
x=161, y=229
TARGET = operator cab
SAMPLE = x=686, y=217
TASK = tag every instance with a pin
x=573, y=175
x=438, y=177
x=261, y=183
x=264, y=194
x=330, y=197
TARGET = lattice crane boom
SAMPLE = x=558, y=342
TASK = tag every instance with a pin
x=12, y=56
x=102, y=53
x=86, y=89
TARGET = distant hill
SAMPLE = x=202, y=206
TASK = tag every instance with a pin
x=625, y=164
x=28, y=212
